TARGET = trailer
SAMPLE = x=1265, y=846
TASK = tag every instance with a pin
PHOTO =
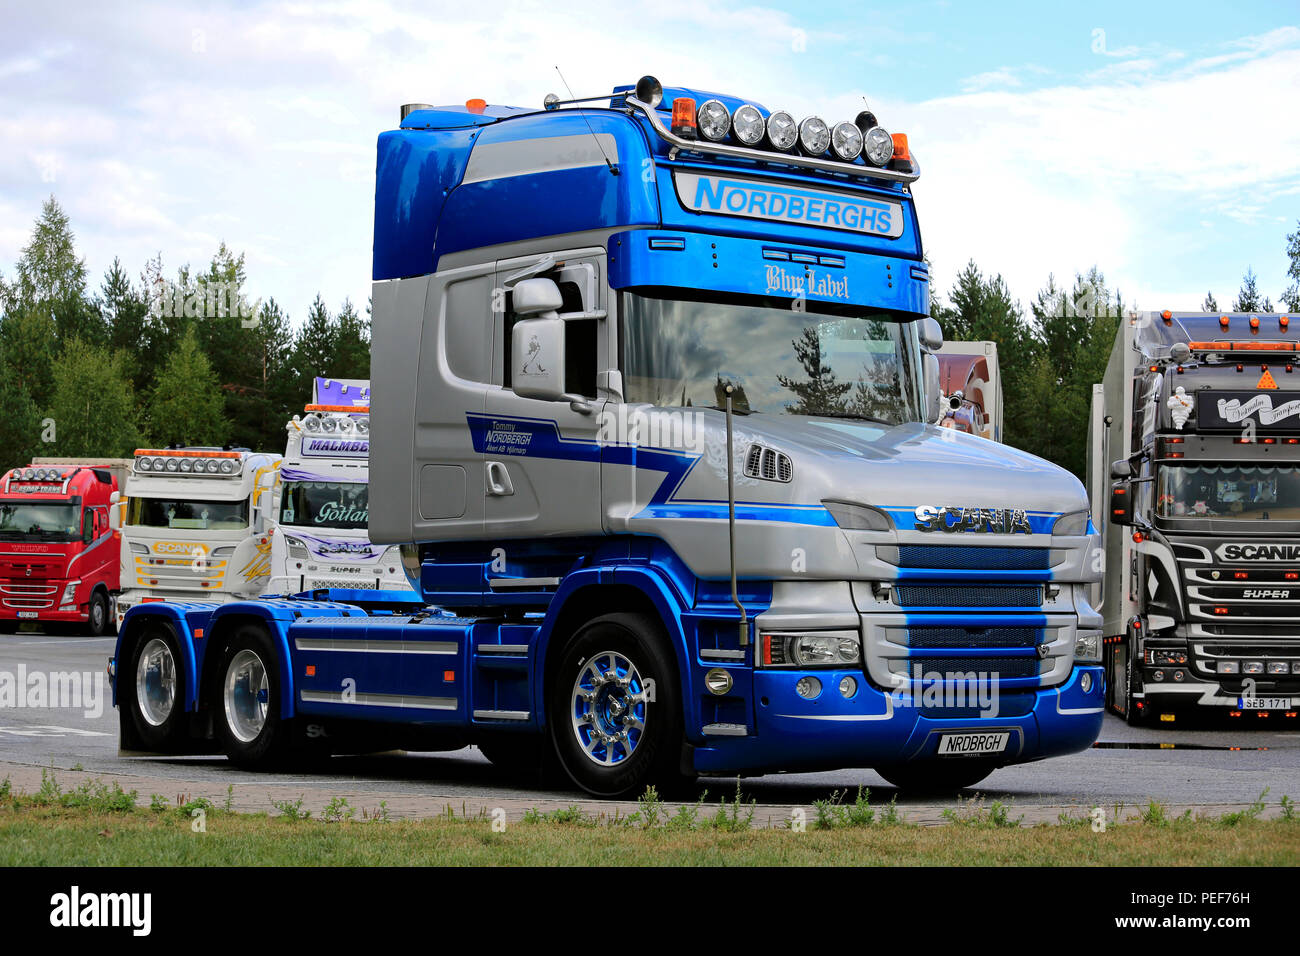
x=653, y=434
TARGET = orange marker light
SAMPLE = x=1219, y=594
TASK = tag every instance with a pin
x=684, y=117
x=1223, y=321
x=900, y=147
x=1254, y=323
x=311, y=670
x=1138, y=537
x=1167, y=316
x=449, y=676
x=198, y=633
x=1283, y=322
x=476, y=105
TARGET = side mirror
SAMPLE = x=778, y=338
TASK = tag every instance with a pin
x=1121, y=504
x=537, y=360
x=931, y=334
x=933, y=406
x=115, y=514
x=536, y=296
x=1121, y=469
x=115, y=497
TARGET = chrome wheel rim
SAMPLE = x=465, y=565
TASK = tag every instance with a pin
x=247, y=693
x=608, y=708
x=155, y=682
x=97, y=614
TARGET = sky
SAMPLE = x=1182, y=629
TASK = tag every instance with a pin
x=1156, y=141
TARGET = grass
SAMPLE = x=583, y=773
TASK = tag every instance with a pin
x=98, y=825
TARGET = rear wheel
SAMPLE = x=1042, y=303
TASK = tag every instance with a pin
x=615, y=710
x=247, y=701
x=936, y=776
x=153, y=690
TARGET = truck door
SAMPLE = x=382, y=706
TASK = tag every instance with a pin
x=541, y=459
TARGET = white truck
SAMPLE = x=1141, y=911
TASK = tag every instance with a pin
x=198, y=525
x=323, y=503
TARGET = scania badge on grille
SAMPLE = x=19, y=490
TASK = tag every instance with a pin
x=977, y=520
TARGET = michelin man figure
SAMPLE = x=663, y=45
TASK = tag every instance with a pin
x=1180, y=407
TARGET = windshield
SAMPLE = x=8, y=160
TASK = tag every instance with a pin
x=188, y=514
x=1229, y=491
x=325, y=504
x=40, y=520
x=679, y=353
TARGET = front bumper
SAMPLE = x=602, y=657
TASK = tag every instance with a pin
x=877, y=728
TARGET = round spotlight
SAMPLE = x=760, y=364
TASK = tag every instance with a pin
x=227, y=466
x=363, y=425
x=187, y=465
x=1085, y=682
x=718, y=681
x=28, y=474
x=142, y=464
x=329, y=425
x=808, y=687
x=311, y=423
x=550, y=102
x=783, y=131
x=814, y=136
x=173, y=464
x=158, y=463
x=848, y=687
x=846, y=142
x=212, y=466
x=877, y=146
x=713, y=120
x=865, y=120
x=748, y=125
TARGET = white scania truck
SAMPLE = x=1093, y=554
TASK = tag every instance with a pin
x=324, y=503
x=198, y=525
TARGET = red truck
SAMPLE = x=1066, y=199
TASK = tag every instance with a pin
x=59, y=560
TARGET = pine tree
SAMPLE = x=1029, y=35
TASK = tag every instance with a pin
x=1248, y=299
x=93, y=404
x=1291, y=297
x=125, y=311
x=51, y=279
x=186, y=406
x=20, y=425
x=351, y=357
x=1209, y=305
x=314, y=347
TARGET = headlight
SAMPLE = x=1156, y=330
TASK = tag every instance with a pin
x=1087, y=648
x=877, y=146
x=846, y=141
x=69, y=592
x=814, y=136
x=713, y=120
x=811, y=649
x=782, y=131
x=856, y=517
x=296, y=548
x=747, y=125
x=1075, y=523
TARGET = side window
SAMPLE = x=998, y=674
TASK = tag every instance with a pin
x=87, y=525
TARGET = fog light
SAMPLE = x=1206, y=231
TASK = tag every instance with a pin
x=718, y=681
x=1252, y=667
x=808, y=687
x=1228, y=667
x=1278, y=667
x=848, y=687
x=1085, y=682
x=1178, y=675
x=1158, y=675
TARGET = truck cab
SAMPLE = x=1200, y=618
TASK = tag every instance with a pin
x=59, y=557
x=1196, y=466
x=197, y=525
x=323, y=501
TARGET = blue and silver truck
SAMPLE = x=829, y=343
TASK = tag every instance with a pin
x=650, y=420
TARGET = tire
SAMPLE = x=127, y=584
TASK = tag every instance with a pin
x=245, y=701
x=152, y=690
x=100, y=620
x=936, y=776
x=616, y=676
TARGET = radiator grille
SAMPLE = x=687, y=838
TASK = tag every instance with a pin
x=964, y=557
x=939, y=595
x=1000, y=667
x=934, y=637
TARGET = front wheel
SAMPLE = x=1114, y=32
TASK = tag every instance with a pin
x=101, y=617
x=615, y=710
x=936, y=776
x=247, y=701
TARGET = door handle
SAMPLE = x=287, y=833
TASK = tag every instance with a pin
x=498, y=479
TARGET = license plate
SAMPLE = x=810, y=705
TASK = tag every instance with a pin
x=29, y=614
x=1264, y=703
x=962, y=744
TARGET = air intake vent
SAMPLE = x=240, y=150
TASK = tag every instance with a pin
x=768, y=464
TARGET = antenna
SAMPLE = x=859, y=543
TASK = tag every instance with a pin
x=612, y=168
